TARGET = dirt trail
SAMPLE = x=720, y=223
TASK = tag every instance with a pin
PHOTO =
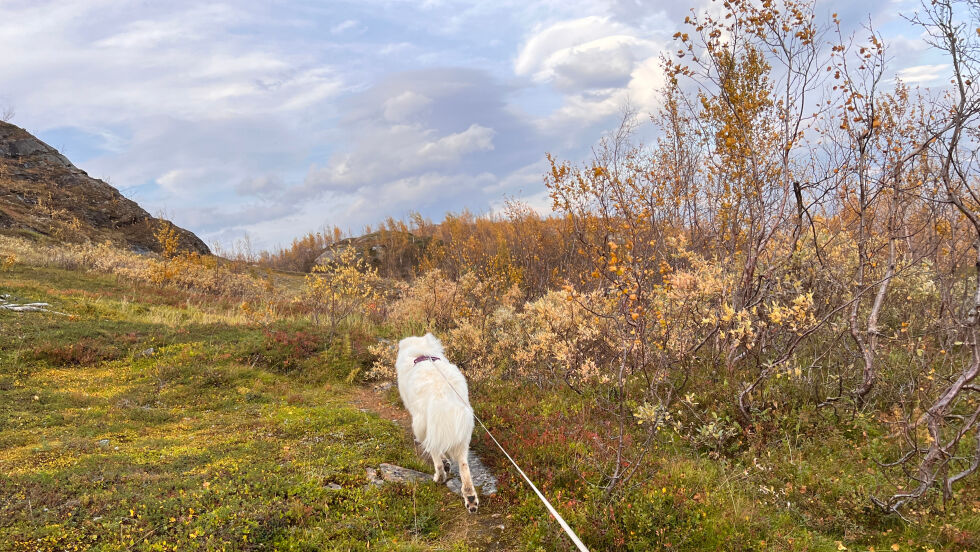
x=489, y=529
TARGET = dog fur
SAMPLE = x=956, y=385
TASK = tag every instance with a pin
x=441, y=418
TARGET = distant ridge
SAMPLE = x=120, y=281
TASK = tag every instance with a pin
x=44, y=196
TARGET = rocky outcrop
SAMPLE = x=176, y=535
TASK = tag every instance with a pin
x=42, y=194
x=394, y=253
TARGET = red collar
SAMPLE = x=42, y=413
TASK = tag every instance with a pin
x=424, y=358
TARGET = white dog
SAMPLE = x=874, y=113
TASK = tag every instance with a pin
x=434, y=392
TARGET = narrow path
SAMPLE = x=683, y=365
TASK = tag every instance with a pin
x=489, y=529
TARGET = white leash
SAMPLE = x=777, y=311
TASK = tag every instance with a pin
x=561, y=521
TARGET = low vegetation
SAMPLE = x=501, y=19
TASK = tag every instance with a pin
x=155, y=419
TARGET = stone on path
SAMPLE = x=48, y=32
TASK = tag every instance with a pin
x=390, y=473
x=397, y=474
x=482, y=478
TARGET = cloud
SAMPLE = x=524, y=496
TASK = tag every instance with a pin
x=386, y=152
x=598, y=64
x=418, y=192
x=556, y=43
x=603, y=63
x=452, y=147
x=107, y=63
x=346, y=25
x=209, y=175
x=924, y=74
x=426, y=141
x=183, y=182
x=214, y=218
x=267, y=185
x=240, y=147
x=403, y=106
x=431, y=121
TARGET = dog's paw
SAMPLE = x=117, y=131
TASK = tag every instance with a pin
x=472, y=503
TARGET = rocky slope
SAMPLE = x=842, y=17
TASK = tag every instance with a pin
x=44, y=196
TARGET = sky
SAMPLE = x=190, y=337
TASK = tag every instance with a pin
x=275, y=118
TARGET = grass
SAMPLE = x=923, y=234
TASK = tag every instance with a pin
x=145, y=422
x=151, y=419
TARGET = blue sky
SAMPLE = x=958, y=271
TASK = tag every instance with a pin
x=276, y=118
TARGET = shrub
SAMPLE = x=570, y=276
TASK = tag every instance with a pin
x=346, y=286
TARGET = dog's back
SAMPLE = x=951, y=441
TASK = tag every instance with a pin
x=434, y=392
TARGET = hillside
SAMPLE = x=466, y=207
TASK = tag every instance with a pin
x=43, y=195
x=182, y=404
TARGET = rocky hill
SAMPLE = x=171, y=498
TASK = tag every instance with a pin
x=42, y=195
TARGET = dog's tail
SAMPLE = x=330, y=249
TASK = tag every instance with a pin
x=449, y=424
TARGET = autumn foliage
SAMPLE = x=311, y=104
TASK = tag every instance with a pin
x=802, y=232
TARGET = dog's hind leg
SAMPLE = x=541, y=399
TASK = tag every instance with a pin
x=418, y=428
x=468, y=490
x=440, y=464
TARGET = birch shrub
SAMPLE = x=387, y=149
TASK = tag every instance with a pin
x=340, y=291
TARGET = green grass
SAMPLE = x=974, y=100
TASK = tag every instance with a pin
x=222, y=438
